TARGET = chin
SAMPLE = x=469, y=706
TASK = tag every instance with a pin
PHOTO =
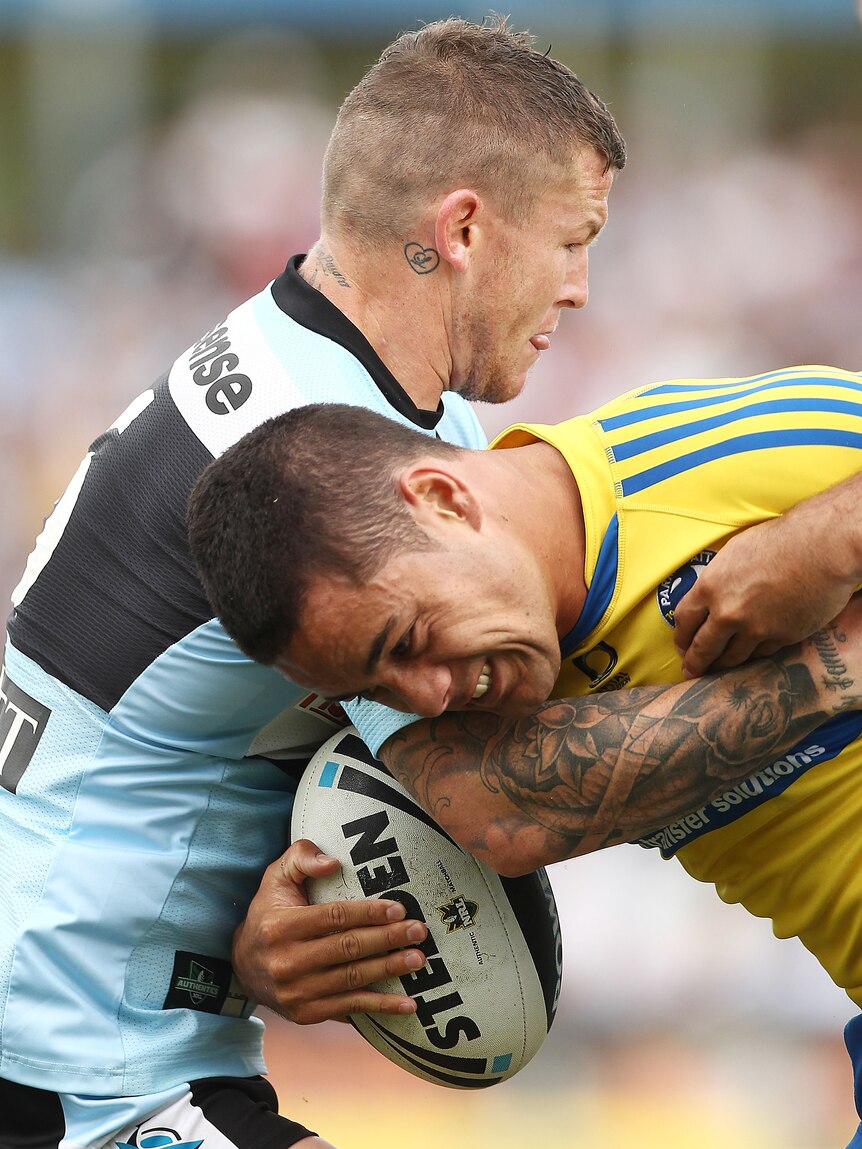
x=503, y=391
x=494, y=386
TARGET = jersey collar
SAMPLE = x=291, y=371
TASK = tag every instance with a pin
x=308, y=307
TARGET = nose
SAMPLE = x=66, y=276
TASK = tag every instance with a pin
x=424, y=690
x=576, y=290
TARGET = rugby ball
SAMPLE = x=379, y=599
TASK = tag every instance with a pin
x=487, y=994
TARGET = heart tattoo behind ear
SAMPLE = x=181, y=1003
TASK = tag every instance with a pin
x=421, y=259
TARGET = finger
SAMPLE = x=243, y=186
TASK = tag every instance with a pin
x=351, y=946
x=688, y=618
x=283, y=882
x=741, y=648
x=765, y=649
x=707, y=645
x=333, y=919
x=319, y=969
x=334, y=950
x=344, y=989
x=370, y=1001
x=358, y=975
x=339, y=1008
x=303, y=859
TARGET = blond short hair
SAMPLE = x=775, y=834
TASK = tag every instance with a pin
x=457, y=104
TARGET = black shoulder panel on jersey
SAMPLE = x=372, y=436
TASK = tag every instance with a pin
x=313, y=310
x=30, y=1116
x=120, y=586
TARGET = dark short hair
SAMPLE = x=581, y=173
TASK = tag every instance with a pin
x=311, y=492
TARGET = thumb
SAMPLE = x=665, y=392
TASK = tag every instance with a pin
x=301, y=860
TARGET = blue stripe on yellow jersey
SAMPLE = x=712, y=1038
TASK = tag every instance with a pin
x=663, y=486
x=688, y=430
x=601, y=590
x=743, y=444
x=703, y=400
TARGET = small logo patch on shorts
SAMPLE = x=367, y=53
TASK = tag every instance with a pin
x=157, y=1138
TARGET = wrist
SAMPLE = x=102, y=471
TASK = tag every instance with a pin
x=832, y=517
x=828, y=654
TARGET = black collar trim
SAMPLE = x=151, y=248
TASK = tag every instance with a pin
x=309, y=307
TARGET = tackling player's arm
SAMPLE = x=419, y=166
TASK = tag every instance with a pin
x=774, y=583
x=583, y=773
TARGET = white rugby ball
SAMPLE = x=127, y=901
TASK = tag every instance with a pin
x=487, y=994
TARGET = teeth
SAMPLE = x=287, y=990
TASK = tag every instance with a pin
x=483, y=683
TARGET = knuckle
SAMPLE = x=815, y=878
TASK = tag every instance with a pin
x=336, y=915
x=683, y=609
x=350, y=947
x=701, y=648
x=269, y=931
x=727, y=613
x=395, y=938
x=354, y=976
x=283, y=972
x=403, y=962
x=395, y=965
x=358, y=1004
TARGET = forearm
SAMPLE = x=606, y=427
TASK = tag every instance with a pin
x=583, y=773
x=831, y=522
x=775, y=583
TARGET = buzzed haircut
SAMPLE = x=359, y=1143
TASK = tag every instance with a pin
x=457, y=104
x=310, y=492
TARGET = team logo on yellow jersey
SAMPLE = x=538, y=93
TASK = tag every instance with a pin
x=671, y=589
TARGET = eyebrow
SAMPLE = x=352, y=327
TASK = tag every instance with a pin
x=377, y=645
x=370, y=662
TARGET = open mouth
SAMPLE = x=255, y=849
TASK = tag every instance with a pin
x=483, y=683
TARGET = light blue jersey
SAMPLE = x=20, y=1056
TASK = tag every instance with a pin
x=147, y=767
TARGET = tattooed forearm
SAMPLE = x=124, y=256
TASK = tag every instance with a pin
x=583, y=773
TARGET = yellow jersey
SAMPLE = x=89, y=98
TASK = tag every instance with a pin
x=667, y=474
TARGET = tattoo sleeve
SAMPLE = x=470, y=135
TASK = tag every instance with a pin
x=583, y=773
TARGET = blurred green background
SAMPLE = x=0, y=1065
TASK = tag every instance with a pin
x=159, y=162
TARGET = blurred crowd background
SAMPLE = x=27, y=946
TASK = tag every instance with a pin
x=159, y=161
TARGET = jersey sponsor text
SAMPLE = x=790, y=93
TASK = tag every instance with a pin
x=22, y=722
x=213, y=365
x=782, y=771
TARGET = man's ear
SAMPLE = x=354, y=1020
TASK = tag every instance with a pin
x=435, y=492
x=457, y=226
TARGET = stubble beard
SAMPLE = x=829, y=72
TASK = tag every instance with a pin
x=487, y=378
